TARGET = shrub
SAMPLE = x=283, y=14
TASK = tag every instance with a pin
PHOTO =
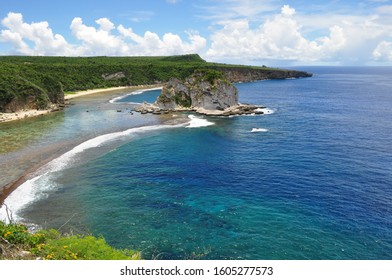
x=51, y=245
x=84, y=248
x=14, y=233
x=209, y=75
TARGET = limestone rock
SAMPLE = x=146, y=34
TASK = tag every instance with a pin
x=207, y=89
x=113, y=76
x=205, y=92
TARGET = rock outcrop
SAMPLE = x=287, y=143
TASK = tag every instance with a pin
x=113, y=76
x=206, y=92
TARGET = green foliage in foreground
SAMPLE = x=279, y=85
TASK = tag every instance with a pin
x=51, y=245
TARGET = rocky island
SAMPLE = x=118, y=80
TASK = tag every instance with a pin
x=206, y=92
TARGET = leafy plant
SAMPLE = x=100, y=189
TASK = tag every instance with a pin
x=51, y=245
x=84, y=248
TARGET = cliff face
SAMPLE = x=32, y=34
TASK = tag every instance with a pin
x=207, y=90
x=21, y=94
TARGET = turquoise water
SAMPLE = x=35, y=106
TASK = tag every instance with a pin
x=313, y=183
x=141, y=96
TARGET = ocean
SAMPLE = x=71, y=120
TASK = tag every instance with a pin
x=310, y=180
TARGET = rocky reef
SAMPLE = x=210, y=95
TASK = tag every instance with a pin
x=206, y=92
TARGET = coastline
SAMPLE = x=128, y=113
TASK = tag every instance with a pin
x=9, y=117
x=107, y=90
x=10, y=186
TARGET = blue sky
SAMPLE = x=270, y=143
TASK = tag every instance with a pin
x=271, y=32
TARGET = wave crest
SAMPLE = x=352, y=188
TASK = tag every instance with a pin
x=198, y=122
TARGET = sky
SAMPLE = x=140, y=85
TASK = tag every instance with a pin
x=255, y=32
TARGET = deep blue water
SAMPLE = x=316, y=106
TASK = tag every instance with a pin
x=317, y=184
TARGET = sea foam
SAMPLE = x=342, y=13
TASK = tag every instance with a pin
x=259, y=130
x=198, y=122
x=265, y=111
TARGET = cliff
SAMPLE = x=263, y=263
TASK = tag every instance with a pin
x=204, y=89
x=206, y=92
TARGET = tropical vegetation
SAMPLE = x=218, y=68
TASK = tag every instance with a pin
x=16, y=242
x=45, y=79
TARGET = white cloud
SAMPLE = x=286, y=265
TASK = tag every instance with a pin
x=96, y=41
x=277, y=38
x=241, y=31
x=106, y=39
x=287, y=10
x=283, y=37
x=104, y=42
x=383, y=51
x=16, y=40
x=39, y=34
x=105, y=24
x=170, y=44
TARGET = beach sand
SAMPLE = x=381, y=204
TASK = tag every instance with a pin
x=108, y=90
x=7, y=117
x=93, y=91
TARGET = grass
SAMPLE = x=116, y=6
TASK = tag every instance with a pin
x=16, y=243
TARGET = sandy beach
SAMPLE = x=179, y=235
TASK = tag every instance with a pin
x=93, y=91
x=7, y=117
x=107, y=90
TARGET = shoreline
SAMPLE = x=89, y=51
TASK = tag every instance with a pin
x=8, y=188
x=105, y=90
x=24, y=114
x=32, y=173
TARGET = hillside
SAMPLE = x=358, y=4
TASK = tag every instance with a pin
x=36, y=82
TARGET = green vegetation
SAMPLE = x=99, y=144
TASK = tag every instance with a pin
x=209, y=75
x=16, y=242
x=183, y=99
x=36, y=82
